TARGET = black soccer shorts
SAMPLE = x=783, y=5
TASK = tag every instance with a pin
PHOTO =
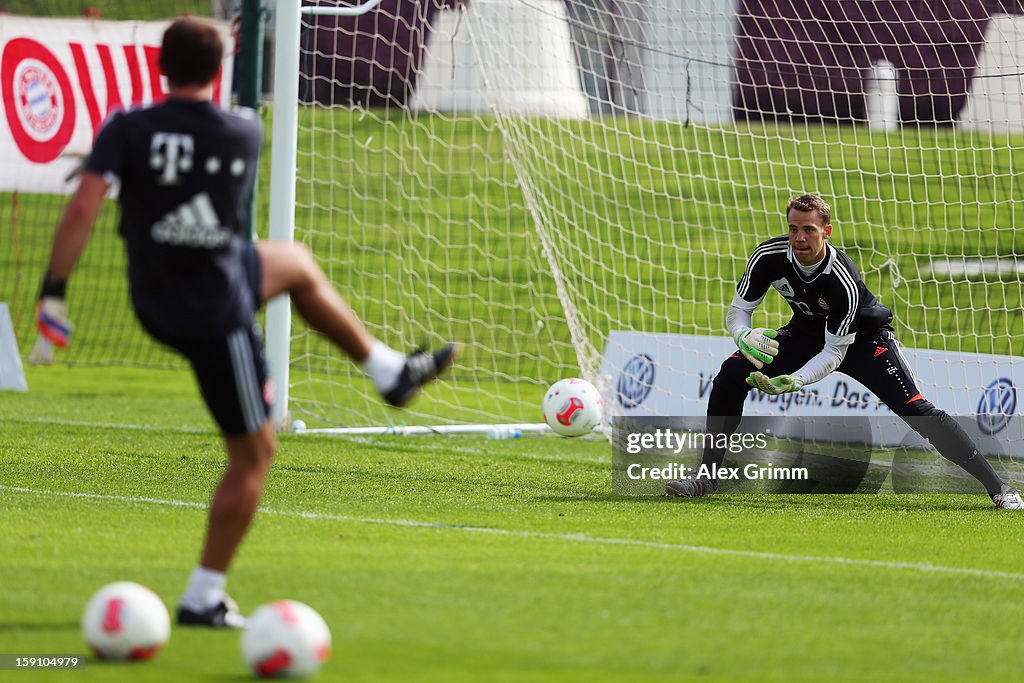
x=232, y=376
x=230, y=368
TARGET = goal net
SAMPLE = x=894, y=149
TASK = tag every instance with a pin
x=531, y=178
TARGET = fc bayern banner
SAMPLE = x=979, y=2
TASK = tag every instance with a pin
x=59, y=81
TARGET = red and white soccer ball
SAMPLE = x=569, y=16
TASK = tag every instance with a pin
x=573, y=407
x=285, y=639
x=124, y=620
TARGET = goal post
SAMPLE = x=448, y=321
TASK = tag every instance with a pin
x=535, y=179
x=281, y=211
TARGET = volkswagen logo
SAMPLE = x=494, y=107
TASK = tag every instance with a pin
x=635, y=381
x=997, y=405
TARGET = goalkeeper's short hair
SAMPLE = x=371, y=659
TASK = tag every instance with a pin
x=811, y=202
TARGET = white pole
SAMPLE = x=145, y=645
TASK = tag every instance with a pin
x=284, y=140
x=883, y=99
x=342, y=11
x=491, y=431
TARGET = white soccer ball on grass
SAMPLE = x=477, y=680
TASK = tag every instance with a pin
x=285, y=639
x=124, y=620
x=573, y=407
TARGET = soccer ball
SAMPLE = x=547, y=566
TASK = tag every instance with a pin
x=285, y=639
x=124, y=620
x=572, y=407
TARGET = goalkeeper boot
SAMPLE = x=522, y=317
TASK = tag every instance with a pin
x=691, y=488
x=420, y=367
x=224, y=614
x=1008, y=499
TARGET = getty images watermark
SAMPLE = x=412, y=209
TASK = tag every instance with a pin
x=658, y=443
x=794, y=455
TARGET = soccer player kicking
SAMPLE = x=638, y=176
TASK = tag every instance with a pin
x=837, y=325
x=186, y=170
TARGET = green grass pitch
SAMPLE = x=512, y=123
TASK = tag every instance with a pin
x=461, y=559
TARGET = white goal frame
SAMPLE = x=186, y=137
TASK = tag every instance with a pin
x=283, y=157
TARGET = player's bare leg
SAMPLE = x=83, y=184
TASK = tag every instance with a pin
x=238, y=494
x=231, y=512
x=290, y=268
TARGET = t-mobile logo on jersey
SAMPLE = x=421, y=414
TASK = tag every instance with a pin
x=170, y=153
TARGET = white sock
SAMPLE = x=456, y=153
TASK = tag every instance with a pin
x=384, y=365
x=205, y=588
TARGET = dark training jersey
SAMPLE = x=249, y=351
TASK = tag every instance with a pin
x=832, y=299
x=186, y=170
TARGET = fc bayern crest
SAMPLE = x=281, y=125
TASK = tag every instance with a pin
x=39, y=99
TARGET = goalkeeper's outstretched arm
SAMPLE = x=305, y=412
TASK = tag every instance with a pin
x=826, y=361
x=816, y=369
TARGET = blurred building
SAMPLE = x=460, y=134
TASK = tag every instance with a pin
x=608, y=44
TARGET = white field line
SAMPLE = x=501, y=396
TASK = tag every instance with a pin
x=572, y=538
x=184, y=429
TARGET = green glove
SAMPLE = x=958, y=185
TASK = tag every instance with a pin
x=758, y=345
x=774, y=385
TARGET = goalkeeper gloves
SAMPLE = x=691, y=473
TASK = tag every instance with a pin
x=52, y=321
x=52, y=314
x=757, y=345
x=774, y=385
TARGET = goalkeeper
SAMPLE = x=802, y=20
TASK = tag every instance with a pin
x=186, y=171
x=837, y=325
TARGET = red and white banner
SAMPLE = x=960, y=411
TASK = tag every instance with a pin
x=61, y=78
